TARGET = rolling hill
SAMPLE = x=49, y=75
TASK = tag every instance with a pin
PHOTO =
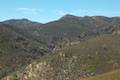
x=90, y=58
x=76, y=47
x=16, y=50
x=67, y=28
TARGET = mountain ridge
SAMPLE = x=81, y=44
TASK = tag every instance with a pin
x=66, y=15
x=24, y=41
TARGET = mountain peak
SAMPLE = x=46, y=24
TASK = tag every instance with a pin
x=69, y=16
x=24, y=19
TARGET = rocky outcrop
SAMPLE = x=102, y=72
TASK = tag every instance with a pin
x=34, y=71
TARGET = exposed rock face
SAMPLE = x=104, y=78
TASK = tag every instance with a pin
x=34, y=71
x=44, y=71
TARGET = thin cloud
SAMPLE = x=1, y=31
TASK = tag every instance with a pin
x=72, y=12
x=80, y=12
x=31, y=11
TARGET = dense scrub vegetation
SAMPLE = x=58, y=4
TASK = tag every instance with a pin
x=69, y=48
x=90, y=58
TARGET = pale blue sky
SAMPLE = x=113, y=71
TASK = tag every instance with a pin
x=48, y=10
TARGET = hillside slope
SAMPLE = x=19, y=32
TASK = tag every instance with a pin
x=16, y=50
x=66, y=29
x=114, y=75
x=26, y=27
x=23, y=41
x=92, y=57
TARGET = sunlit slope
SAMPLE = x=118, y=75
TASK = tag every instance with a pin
x=114, y=75
x=92, y=57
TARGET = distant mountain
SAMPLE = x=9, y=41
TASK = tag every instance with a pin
x=26, y=27
x=67, y=29
x=68, y=26
x=22, y=23
x=74, y=28
x=23, y=41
